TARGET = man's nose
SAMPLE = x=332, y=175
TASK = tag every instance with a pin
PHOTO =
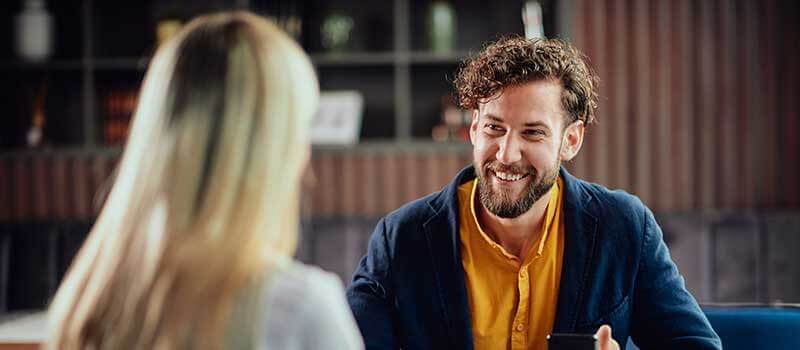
x=509, y=151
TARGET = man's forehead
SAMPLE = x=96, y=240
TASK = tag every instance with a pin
x=539, y=92
x=551, y=118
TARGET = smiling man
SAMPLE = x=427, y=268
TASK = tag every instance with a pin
x=515, y=248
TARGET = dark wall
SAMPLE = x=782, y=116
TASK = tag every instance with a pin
x=698, y=101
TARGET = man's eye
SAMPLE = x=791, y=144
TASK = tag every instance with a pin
x=494, y=127
x=535, y=133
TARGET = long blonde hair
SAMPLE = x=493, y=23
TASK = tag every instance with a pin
x=206, y=193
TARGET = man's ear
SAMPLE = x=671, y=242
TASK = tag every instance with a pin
x=572, y=140
x=473, y=126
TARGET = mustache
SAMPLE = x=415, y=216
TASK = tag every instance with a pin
x=513, y=169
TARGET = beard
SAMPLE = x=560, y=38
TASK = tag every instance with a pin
x=502, y=203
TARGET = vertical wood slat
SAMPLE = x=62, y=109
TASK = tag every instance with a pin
x=61, y=189
x=729, y=115
x=599, y=157
x=21, y=188
x=392, y=183
x=745, y=16
x=80, y=181
x=589, y=159
x=326, y=186
x=346, y=184
x=41, y=189
x=577, y=165
x=641, y=101
x=411, y=182
x=314, y=192
x=790, y=126
x=372, y=185
x=663, y=102
x=770, y=99
x=711, y=116
x=617, y=92
x=6, y=205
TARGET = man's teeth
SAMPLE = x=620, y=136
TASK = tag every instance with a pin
x=508, y=177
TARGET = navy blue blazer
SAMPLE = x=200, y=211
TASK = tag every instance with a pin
x=409, y=291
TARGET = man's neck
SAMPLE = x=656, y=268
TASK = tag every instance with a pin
x=516, y=235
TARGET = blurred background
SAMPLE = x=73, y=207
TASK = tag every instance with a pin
x=699, y=117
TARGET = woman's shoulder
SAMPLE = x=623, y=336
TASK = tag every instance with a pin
x=299, y=298
x=295, y=280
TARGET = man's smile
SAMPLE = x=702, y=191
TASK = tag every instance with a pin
x=509, y=177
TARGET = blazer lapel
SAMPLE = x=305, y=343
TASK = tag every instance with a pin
x=441, y=231
x=580, y=230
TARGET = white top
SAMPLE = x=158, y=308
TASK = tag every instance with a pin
x=301, y=307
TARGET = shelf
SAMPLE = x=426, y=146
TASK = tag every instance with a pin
x=353, y=59
x=60, y=65
x=425, y=57
x=121, y=63
x=387, y=58
x=118, y=63
x=320, y=60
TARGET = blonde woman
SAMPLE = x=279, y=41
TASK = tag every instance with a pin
x=193, y=246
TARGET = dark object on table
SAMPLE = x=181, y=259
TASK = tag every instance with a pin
x=568, y=341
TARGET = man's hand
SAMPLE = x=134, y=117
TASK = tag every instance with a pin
x=604, y=338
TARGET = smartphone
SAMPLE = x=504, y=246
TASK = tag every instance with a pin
x=568, y=341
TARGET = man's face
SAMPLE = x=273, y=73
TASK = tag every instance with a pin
x=518, y=139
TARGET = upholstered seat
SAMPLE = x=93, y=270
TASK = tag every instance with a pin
x=754, y=326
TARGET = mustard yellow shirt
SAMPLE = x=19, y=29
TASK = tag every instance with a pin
x=512, y=302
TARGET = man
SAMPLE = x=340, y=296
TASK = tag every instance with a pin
x=516, y=248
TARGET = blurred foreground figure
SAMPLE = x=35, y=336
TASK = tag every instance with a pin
x=193, y=246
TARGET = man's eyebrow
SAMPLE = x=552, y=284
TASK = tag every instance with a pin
x=537, y=124
x=495, y=118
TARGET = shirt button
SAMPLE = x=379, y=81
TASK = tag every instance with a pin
x=523, y=274
x=520, y=327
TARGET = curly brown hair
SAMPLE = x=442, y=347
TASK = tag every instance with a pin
x=515, y=60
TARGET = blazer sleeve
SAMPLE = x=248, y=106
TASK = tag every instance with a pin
x=371, y=296
x=666, y=315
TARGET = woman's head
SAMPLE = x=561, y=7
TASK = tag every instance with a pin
x=206, y=191
x=230, y=117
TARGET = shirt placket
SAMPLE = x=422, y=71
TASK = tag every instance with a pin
x=519, y=328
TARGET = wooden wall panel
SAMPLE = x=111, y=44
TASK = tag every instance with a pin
x=698, y=101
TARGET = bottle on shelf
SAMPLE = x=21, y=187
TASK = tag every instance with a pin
x=441, y=27
x=35, y=136
x=336, y=32
x=532, y=19
x=33, y=27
